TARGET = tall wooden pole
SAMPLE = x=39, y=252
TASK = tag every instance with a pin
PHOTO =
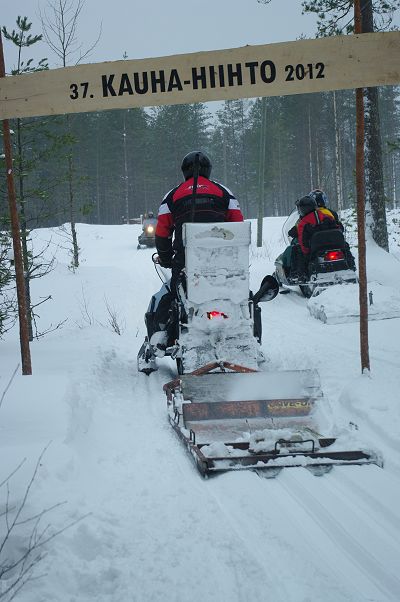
x=18, y=262
x=261, y=186
x=362, y=264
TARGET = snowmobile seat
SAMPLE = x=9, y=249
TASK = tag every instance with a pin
x=217, y=261
x=220, y=315
x=327, y=239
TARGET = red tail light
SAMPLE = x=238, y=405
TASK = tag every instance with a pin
x=215, y=314
x=333, y=256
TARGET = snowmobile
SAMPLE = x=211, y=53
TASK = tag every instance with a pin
x=229, y=414
x=214, y=315
x=147, y=238
x=330, y=263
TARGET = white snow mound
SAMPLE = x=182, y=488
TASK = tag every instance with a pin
x=340, y=304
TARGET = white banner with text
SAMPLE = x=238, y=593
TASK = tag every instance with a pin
x=300, y=67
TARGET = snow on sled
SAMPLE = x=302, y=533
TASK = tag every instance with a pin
x=229, y=415
x=237, y=419
x=340, y=304
x=214, y=315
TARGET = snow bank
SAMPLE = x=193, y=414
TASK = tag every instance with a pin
x=340, y=304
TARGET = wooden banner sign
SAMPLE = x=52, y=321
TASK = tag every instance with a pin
x=279, y=69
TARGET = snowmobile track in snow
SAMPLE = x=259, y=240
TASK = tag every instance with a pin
x=366, y=558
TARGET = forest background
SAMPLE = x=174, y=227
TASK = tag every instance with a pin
x=119, y=164
x=125, y=161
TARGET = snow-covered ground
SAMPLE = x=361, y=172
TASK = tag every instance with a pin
x=149, y=527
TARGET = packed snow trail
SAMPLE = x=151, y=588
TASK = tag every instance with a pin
x=153, y=528
x=158, y=531
x=312, y=529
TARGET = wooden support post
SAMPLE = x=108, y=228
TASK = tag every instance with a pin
x=261, y=185
x=18, y=262
x=360, y=186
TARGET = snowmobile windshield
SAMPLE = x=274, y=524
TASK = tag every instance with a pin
x=288, y=224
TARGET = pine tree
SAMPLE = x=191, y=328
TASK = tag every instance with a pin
x=174, y=131
x=230, y=152
x=31, y=149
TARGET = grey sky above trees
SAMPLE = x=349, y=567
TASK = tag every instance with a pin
x=157, y=28
x=144, y=29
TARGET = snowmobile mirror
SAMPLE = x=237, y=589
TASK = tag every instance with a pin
x=268, y=290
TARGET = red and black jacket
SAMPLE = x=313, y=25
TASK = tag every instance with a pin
x=316, y=220
x=212, y=203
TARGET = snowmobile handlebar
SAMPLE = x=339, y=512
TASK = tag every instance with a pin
x=157, y=261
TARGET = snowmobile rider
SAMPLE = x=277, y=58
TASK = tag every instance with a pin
x=149, y=220
x=197, y=199
x=322, y=200
x=147, y=236
x=310, y=218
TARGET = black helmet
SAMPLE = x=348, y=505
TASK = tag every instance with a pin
x=305, y=205
x=188, y=163
x=319, y=196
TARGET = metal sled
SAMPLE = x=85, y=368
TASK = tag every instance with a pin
x=232, y=418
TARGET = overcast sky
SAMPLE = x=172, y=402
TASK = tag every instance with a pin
x=149, y=28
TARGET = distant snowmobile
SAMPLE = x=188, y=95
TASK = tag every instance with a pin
x=148, y=237
x=330, y=263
